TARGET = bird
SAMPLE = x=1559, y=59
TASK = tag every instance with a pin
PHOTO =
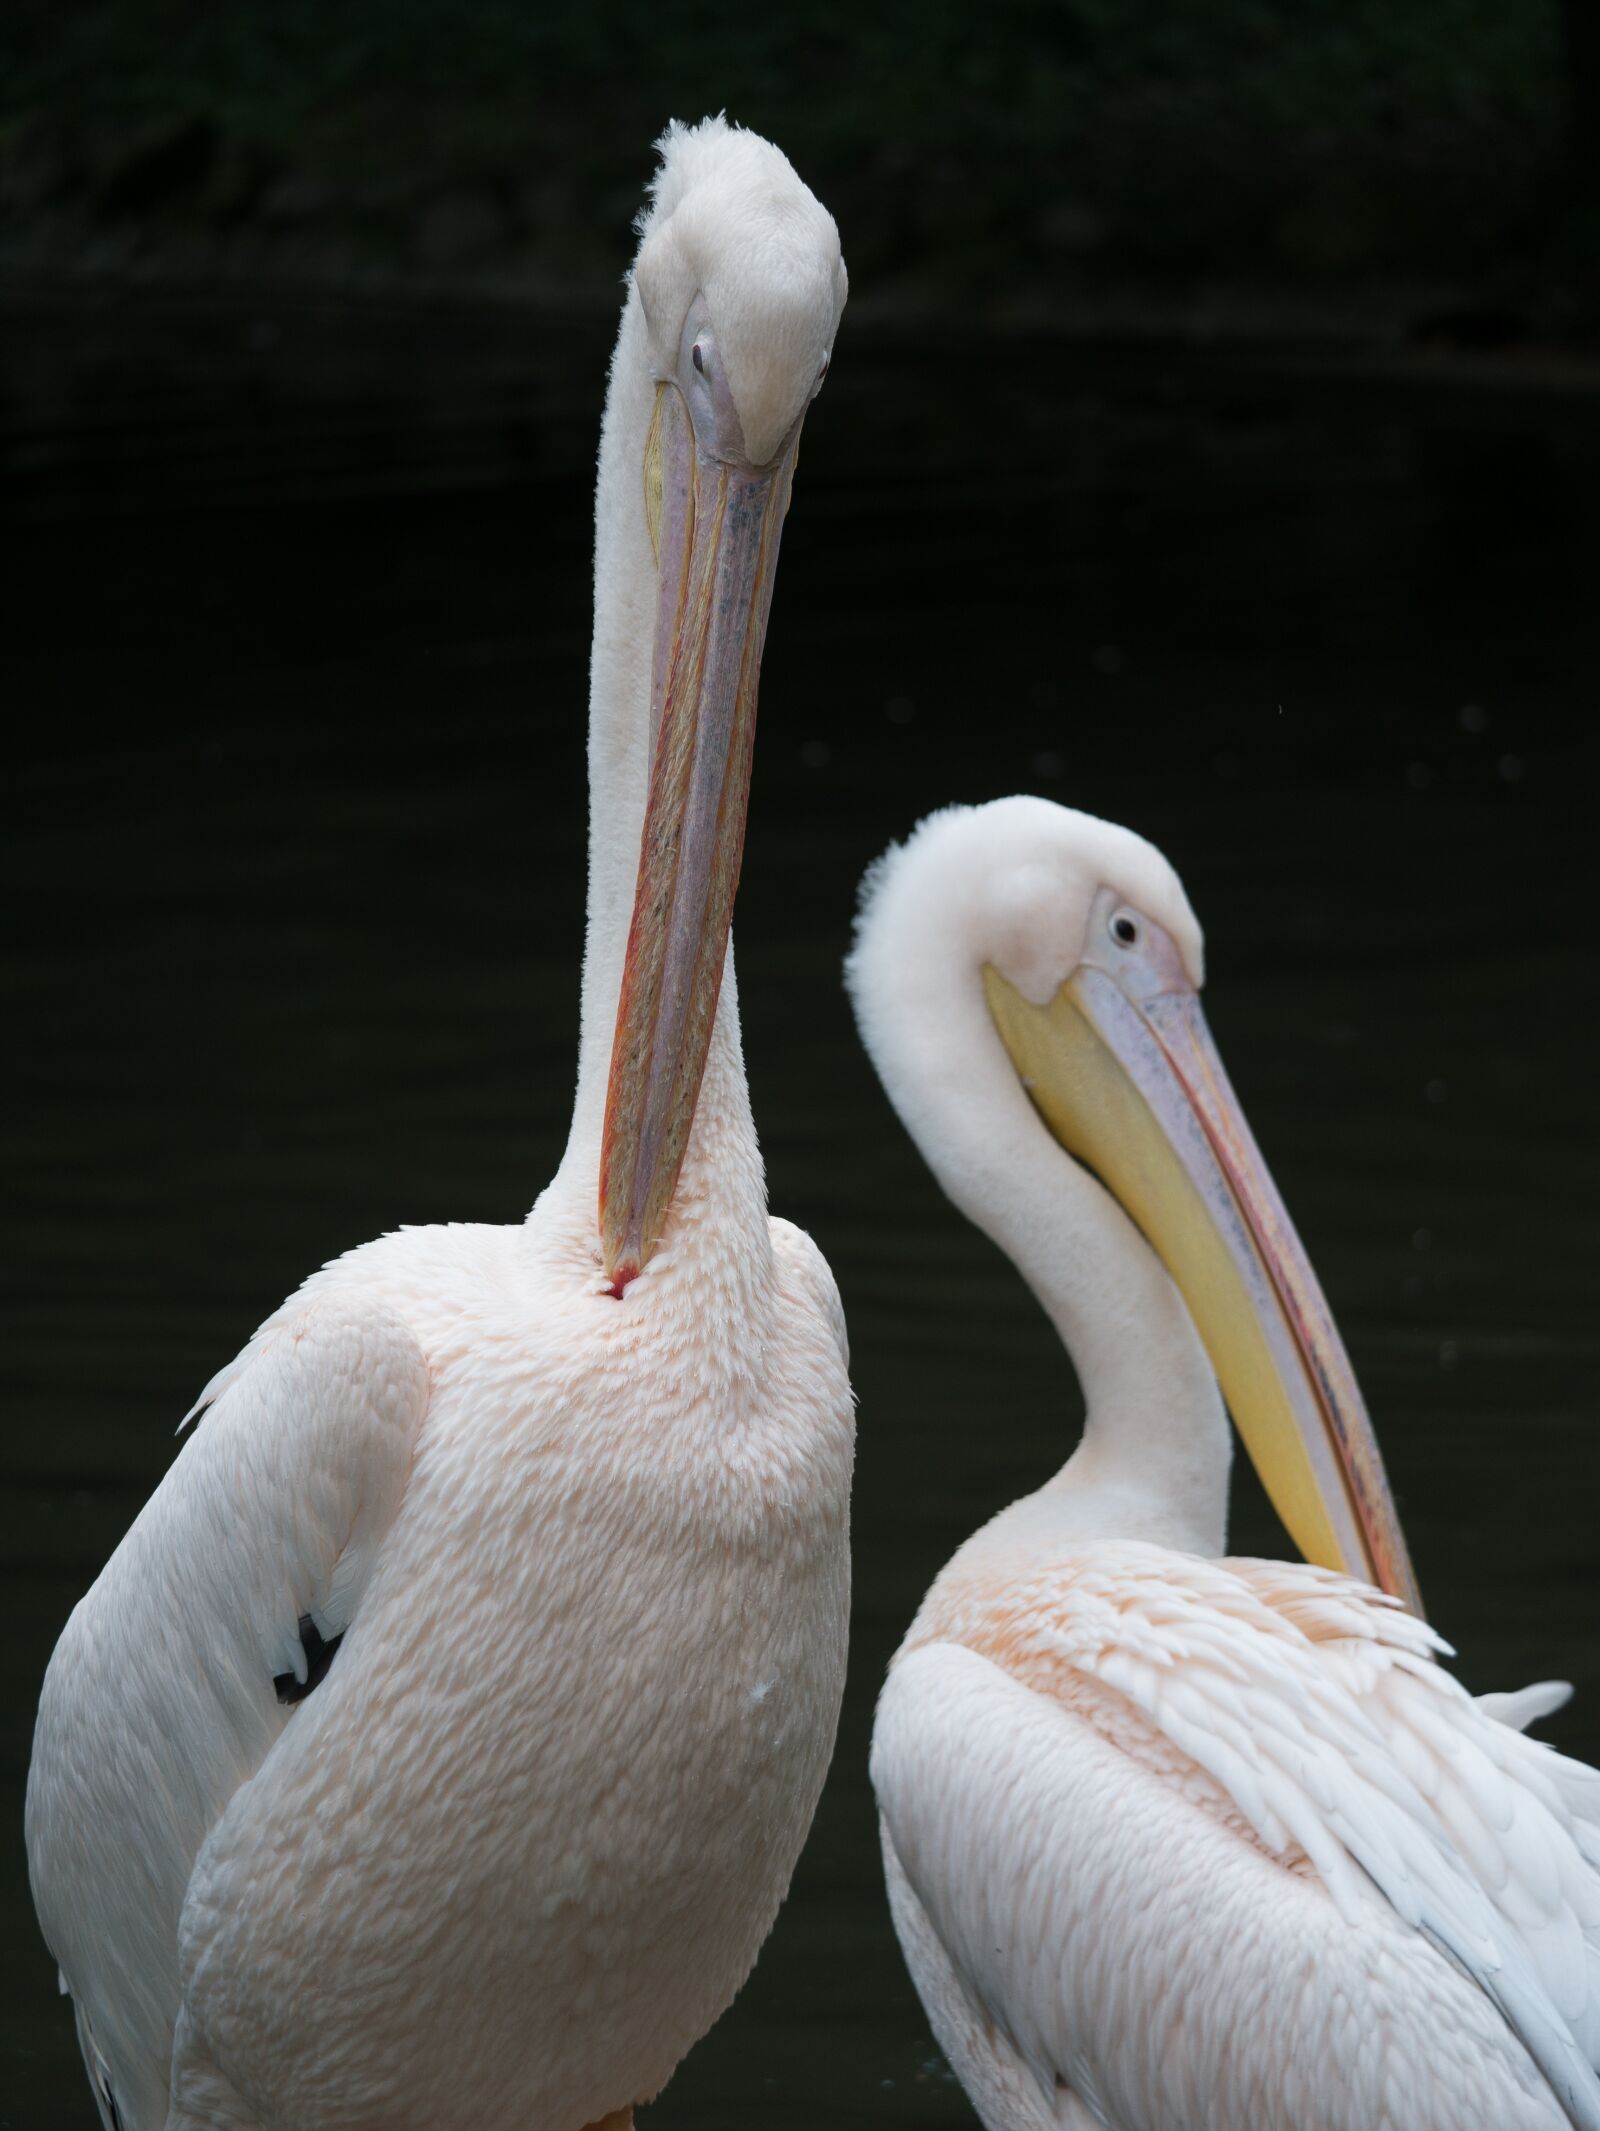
x=1173, y=1841
x=436, y=1748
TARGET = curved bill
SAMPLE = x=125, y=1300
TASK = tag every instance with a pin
x=715, y=528
x=1133, y=1087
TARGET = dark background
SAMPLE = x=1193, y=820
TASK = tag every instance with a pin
x=1021, y=161
x=1212, y=442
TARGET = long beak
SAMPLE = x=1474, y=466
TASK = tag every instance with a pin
x=1133, y=1087
x=715, y=528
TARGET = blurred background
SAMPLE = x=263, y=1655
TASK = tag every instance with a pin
x=1212, y=442
x=1032, y=160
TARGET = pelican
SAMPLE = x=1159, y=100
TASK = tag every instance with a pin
x=436, y=1748
x=1175, y=1842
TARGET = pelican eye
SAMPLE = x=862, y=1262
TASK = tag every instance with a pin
x=1125, y=930
x=698, y=359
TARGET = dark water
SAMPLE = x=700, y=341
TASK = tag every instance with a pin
x=295, y=612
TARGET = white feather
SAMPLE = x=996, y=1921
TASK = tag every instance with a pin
x=159, y=1701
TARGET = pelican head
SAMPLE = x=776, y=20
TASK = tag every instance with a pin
x=1090, y=962
x=741, y=285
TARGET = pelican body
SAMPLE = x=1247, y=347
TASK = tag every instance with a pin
x=436, y=1748
x=1175, y=1842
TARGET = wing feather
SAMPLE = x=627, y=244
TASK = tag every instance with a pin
x=1319, y=1712
x=1085, y=1940
x=159, y=1700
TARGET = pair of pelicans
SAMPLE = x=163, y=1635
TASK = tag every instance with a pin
x=436, y=1748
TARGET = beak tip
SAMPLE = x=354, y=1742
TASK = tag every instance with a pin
x=622, y=1258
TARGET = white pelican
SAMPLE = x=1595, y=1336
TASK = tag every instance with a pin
x=436, y=1748
x=1178, y=1843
